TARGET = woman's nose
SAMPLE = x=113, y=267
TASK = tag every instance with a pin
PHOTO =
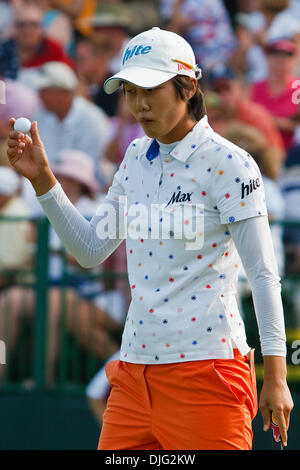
x=142, y=102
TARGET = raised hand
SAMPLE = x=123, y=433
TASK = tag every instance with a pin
x=28, y=157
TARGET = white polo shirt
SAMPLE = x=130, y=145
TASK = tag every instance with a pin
x=183, y=300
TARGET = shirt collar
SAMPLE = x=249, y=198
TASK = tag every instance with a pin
x=153, y=150
x=187, y=145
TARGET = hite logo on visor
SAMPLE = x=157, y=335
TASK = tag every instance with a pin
x=137, y=50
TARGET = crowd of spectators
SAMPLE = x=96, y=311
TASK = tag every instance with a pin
x=54, y=58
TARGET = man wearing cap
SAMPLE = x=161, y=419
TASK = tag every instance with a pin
x=276, y=92
x=185, y=378
x=67, y=121
x=29, y=47
x=110, y=30
x=92, y=67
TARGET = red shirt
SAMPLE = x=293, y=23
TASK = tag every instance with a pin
x=278, y=105
x=48, y=51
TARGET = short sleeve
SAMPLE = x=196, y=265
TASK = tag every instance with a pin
x=237, y=187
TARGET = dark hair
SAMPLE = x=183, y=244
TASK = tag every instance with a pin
x=196, y=105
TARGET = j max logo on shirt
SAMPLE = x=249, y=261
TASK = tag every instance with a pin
x=179, y=197
x=247, y=189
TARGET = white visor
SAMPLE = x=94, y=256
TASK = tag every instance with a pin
x=141, y=77
x=152, y=58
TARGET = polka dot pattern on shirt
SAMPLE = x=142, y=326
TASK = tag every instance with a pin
x=177, y=312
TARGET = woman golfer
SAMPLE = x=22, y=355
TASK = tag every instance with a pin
x=191, y=207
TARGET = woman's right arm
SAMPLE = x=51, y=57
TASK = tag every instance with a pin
x=86, y=241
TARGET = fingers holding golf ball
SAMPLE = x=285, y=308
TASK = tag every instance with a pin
x=17, y=140
x=26, y=153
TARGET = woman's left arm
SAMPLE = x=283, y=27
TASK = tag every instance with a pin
x=252, y=238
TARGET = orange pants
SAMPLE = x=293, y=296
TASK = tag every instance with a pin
x=196, y=405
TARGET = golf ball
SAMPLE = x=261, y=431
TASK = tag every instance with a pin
x=22, y=125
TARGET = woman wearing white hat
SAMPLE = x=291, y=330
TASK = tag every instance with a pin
x=185, y=378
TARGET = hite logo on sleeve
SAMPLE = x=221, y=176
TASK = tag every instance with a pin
x=247, y=189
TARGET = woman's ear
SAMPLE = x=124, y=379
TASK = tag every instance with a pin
x=192, y=89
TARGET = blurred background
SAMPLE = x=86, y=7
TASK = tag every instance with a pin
x=60, y=324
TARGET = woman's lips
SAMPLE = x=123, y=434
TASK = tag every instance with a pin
x=146, y=121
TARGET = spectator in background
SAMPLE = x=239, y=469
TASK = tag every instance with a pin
x=29, y=47
x=205, y=24
x=94, y=315
x=216, y=112
x=273, y=20
x=144, y=14
x=67, y=121
x=20, y=101
x=275, y=94
x=93, y=69
x=264, y=17
x=79, y=11
x=56, y=24
x=223, y=81
x=110, y=31
x=14, y=236
x=15, y=255
x=76, y=173
x=280, y=20
x=248, y=59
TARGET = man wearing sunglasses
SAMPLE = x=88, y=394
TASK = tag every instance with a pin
x=29, y=47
